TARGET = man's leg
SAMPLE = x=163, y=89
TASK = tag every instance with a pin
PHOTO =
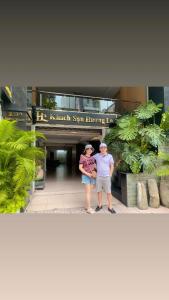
x=109, y=200
x=99, y=207
x=99, y=193
x=109, y=195
x=99, y=198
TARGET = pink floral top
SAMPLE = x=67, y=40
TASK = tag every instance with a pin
x=88, y=163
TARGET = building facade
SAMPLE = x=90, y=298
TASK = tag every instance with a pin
x=68, y=117
x=14, y=105
x=69, y=121
x=71, y=117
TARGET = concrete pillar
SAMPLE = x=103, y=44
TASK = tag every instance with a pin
x=34, y=96
x=74, y=159
x=104, y=131
x=34, y=144
x=40, y=99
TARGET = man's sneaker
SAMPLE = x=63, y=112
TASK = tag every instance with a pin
x=111, y=210
x=98, y=208
x=90, y=211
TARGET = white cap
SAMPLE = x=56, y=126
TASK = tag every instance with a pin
x=103, y=145
x=89, y=147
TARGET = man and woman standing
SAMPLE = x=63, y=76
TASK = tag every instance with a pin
x=103, y=163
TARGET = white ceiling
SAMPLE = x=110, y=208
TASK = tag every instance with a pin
x=69, y=136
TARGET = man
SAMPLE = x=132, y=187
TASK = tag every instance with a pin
x=105, y=167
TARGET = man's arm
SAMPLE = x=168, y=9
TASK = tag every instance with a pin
x=111, y=165
x=111, y=169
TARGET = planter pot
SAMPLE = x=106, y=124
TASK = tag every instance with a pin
x=128, y=193
x=28, y=200
x=164, y=182
x=116, y=186
x=39, y=184
x=164, y=191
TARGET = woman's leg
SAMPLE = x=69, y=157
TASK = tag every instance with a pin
x=87, y=196
x=92, y=186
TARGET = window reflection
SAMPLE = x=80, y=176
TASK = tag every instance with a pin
x=76, y=103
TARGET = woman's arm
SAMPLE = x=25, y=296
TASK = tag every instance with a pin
x=83, y=171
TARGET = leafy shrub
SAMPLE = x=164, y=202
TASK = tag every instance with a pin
x=17, y=165
x=135, y=139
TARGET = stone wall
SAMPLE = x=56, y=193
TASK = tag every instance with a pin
x=129, y=186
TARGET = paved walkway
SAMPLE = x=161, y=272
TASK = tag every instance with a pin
x=64, y=194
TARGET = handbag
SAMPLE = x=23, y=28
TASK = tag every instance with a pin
x=94, y=174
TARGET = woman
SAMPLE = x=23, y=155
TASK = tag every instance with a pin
x=87, y=166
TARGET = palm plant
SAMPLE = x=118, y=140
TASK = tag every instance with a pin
x=165, y=124
x=49, y=103
x=163, y=169
x=139, y=138
x=17, y=165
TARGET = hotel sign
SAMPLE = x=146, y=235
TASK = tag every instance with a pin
x=46, y=116
x=15, y=115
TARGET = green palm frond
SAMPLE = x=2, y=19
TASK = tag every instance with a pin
x=5, y=156
x=135, y=167
x=164, y=156
x=163, y=169
x=138, y=140
x=131, y=155
x=7, y=130
x=147, y=110
x=149, y=161
x=153, y=134
x=4, y=178
x=12, y=205
x=39, y=135
x=165, y=121
x=111, y=136
x=117, y=147
x=3, y=196
x=17, y=145
x=128, y=128
x=33, y=153
x=24, y=172
x=123, y=166
x=17, y=165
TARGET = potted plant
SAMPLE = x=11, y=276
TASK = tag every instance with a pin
x=134, y=143
x=163, y=172
x=40, y=175
x=49, y=103
x=163, y=169
x=17, y=165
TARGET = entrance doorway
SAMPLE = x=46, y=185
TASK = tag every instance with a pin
x=64, y=145
x=59, y=162
x=62, y=161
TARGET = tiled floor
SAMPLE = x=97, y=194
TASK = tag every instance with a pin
x=66, y=195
